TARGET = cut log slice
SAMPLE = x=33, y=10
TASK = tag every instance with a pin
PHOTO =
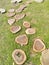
x=26, y=24
x=15, y=29
x=21, y=8
x=45, y=57
x=10, y=14
x=38, y=45
x=30, y=31
x=19, y=16
x=19, y=56
x=2, y=10
x=21, y=39
x=11, y=21
x=11, y=10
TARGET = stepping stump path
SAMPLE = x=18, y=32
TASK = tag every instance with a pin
x=38, y=45
x=26, y=24
x=22, y=39
x=19, y=56
x=45, y=57
x=19, y=16
x=15, y=29
x=11, y=21
x=30, y=31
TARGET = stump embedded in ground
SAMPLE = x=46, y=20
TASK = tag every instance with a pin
x=38, y=45
x=9, y=14
x=11, y=10
x=22, y=39
x=19, y=16
x=15, y=29
x=11, y=21
x=19, y=56
x=30, y=31
x=26, y=24
x=45, y=57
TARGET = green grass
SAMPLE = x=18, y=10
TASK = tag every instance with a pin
x=39, y=12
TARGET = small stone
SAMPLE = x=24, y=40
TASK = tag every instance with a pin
x=38, y=1
x=19, y=56
x=15, y=29
x=14, y=1
x=21, y=8
x=26, y=24
x=38, y=45
x=45, y=57
x=2, y=10
x=11, y=10
x=19, y=16
x=11, y=21
x=10, y=14
x=30, y=31
x=22, y=39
